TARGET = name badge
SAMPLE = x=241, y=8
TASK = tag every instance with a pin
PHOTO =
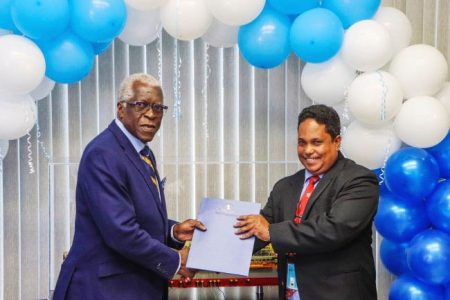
x=291, y=284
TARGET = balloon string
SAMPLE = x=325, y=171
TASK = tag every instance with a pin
x=205, y=90
x=41, y=143
x=387, y=150
x=30, y=153
x=383, y=96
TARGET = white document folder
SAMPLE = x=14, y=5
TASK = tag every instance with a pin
x=218, y=248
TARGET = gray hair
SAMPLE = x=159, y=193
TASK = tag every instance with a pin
x=126, y=91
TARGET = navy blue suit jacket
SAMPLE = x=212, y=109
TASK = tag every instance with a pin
x=122, y=244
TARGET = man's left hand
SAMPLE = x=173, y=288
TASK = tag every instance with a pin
x=250, y=225
x=184, y=231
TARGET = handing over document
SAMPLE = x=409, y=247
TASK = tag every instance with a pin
x=219, y=249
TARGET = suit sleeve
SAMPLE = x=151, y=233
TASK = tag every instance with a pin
x=352, y=211
x=103, y=184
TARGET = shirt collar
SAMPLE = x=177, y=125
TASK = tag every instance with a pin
x=137, y=143
x=308, y=175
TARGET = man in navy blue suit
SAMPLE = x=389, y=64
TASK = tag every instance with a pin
x=124, y=246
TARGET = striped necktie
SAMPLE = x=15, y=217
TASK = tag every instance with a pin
x=147, y=158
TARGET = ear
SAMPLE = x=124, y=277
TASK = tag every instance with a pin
x=337, y=141
x=120, y=110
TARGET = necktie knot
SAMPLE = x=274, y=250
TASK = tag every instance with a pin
x=145, y=151
x=313, y=179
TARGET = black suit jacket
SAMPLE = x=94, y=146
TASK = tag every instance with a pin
x=333, y=243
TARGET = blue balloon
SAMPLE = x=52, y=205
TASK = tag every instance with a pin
x=6, y=21
x=447, y=292
x=393, y=256
x=292, y=7
x=428, y=256
x=68, y=58
x=316, y=35
x=99, y=48
x=352, y=11
x=441, y=152
x=438, y=206
x=41, y=19
x=264, y=42
x=400, y=220
x=407, y=287
x=98, y=21
x=411, y=173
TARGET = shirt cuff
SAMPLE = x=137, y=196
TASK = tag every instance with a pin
x=173, y=236
x=179, y=264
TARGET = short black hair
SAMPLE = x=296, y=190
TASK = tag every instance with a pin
x=322, y=114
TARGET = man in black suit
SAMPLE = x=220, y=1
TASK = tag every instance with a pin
x=324, y=240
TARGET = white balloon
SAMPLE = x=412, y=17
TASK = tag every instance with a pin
x=145, y=4
x=18, y=115
x=142, y=27
x=369, y=146
x=327, y=82
x=421, y=69
x=43, y=89
x=398, y=25
x=186, y=19
x=375, y=98
x=422, y=122
x=22, y=64
x=221, y=35
x=4, y=147
x=344, y=113
x=367, y=46
x=444, y=96
x=235, y=12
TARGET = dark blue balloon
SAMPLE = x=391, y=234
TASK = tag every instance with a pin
x=441, y=152
x=264, y=42
x=428, y=256
x=399, y=220
x=407, y=287
x=438, y=206
x=352, y=11
x=292, y=7
x=393, y=256
x=316, y=35
x=411, y=173
x=447, y=292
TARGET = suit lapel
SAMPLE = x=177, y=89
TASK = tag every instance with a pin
x=292, y=199
x=133, y=156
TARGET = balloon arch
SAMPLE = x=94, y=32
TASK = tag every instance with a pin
x=358, y=59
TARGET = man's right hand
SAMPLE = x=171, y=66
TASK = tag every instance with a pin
x=185, y=273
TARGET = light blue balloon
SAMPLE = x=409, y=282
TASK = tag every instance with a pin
x=292, y=7
x=6, y=21
x=316, y=35
x=407, y=287
x=98, y=21
x=441, y=152
x=352, y=11
x=68, y=58
x=399, y=220
x=264, y=42
x=411, y=173
x=428, y=256
x=438, y=206
x=393, y=256
x=99, y=48
x=41, y=19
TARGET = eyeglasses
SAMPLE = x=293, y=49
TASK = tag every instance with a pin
x=143, y=107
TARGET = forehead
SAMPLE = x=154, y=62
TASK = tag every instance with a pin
x=310, y=129
x=145, y=91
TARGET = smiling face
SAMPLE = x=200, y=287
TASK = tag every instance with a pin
x=142, y=125
x=316, y=149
